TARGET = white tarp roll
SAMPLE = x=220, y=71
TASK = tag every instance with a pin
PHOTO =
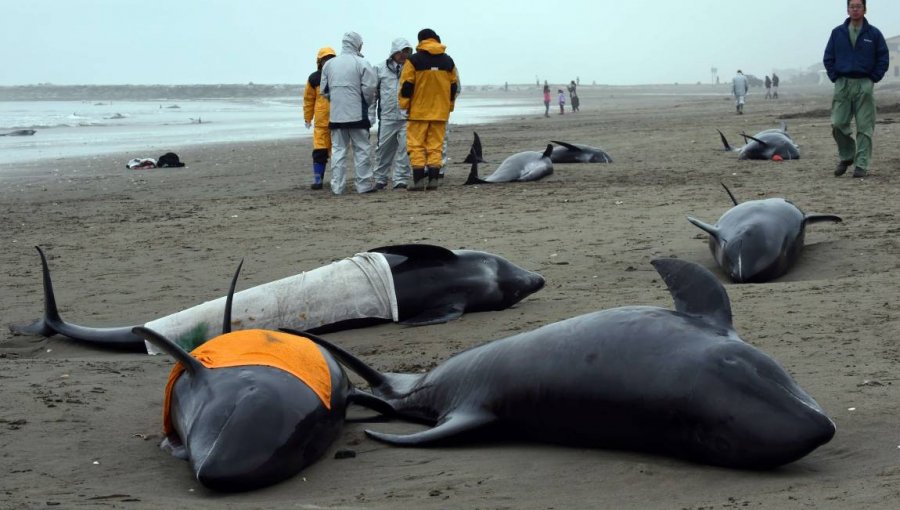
x=358, y=287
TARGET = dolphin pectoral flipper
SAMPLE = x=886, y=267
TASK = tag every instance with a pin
x=695, y=290
x=448, y=309
x=567, y=146
x=817, y=218
x=725, y=142
x=429, y=251
x=455, y=424
x=190, y=363
x=709, y=229
x=757, y=140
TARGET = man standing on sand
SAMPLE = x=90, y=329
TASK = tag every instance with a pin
x=428, y=88
x=739, y=87
x=315, y=108
x=349, y=82
x=774, y=85
x=856, y=58
x=390, y=151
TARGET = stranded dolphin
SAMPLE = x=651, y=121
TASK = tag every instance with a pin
x=251, y=408
x=766, y=145
x=577, y=153
x=759, y=240
x=679, y=383
x=20, y=132
x=524, y=166
x=413, y=284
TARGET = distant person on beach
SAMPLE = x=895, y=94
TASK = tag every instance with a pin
x=739, y=87
x=573, y=96
x=856, y=58
x=546, y=100
x=390, y=150
x=349, y=82
x=428, y=88
x=768, y=87
x=774, y=85
x=561, y=96
x=315, y=109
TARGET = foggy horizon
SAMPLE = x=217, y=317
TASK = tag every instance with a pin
x=271, y=42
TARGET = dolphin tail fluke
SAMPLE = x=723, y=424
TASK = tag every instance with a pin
x=734, y=200
x=725, y=142
x=190, y=363
x=695, y=290
x=473, y=175
x=709, y=229
x=475, y=154
x=379, y=382
x=819, y=218
x=455, y=425
x=120, y=338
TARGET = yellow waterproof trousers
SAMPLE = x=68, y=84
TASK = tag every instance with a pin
x=424, y=142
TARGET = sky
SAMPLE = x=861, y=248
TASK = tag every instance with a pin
x=621, y=42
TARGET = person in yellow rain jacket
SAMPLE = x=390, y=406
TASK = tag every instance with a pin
x=428, y=88
x=316, y=107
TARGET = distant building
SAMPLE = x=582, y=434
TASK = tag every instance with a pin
x=893, y=73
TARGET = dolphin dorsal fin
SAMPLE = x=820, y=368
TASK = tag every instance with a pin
x=548, y=151
x=783, y=126
x=190, y=363
x=567, y=145
x=709, y=229
x=695, y=290
x=226, y=321
x=734, y=200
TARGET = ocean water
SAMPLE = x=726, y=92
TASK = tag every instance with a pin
x=151, y=128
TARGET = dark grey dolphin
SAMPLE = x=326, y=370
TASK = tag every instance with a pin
x=246, y=426
x=524, y=166
x=759, y=240
x=578, y=153
x=432, y=285
x=20, y=132
x=766, y=145
x=679, y=383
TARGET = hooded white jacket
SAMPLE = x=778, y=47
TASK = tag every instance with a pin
x=388, y=73
x=349, y=82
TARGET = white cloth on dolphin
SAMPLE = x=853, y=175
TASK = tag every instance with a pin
x=358, y=287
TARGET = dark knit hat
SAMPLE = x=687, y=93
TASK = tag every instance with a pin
x=427, y=33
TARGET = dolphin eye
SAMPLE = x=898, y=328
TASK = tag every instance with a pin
x=730, y=360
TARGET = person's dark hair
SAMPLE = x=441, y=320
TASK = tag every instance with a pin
x=863, y=2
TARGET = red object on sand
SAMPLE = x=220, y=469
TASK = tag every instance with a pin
x=777, y=158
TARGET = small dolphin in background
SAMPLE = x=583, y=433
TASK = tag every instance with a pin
x=578, y=153
x=251, y=408
x=759, y=240
x=676, y=382
x=524, y=166
x=766, y=145
x=20, y=132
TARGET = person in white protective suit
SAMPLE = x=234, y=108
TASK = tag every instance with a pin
x=349, y=82
x=390, y=151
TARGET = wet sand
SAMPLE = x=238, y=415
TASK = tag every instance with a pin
x=79, y=427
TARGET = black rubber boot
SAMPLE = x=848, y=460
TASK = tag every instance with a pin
x=434, y=176
x=418, y=183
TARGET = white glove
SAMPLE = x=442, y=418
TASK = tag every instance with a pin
x=308, y=124
x=404, y=114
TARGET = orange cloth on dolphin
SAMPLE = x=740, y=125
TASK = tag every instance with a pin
x=294, y=354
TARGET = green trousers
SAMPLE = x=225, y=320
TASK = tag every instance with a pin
x=853, y=97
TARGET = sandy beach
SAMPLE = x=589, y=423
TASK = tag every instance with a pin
x=80, y=427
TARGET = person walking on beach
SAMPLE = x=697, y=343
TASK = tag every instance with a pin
x=546, y=99
x=739, y=87
x=573, y=96
x=768, y=87
x=390, y=150
x=561, y=96
x=315, y=109
x=856, y=58
x=428, y=89
x=774, y=85
x=349, y=82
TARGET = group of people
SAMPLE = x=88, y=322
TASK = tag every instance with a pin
x=410, y=94
x=772, y=86
x=561, y=98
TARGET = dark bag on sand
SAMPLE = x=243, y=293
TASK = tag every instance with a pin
x=169, y=160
